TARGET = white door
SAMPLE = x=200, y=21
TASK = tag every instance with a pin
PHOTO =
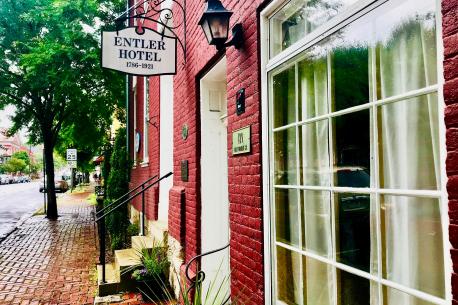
x=214, y=172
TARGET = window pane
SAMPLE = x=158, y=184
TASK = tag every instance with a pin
x=318, y=283
x=314, y=154
x=412, y=243
x=354, y=290
x=393, y=296
x=284, y=99
x=352, y=149
x=299, y=18
x=286, y=216
x=406, y=47
x=356, y=231
x=316, y=222
x=409, y=144
x=349, y=53
x=288, y=276
x=313, y=84
x=285, y=157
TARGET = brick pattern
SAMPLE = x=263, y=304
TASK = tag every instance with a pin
x=244, y=171
x=47, y=262
x=450, y=36
x=176, y=216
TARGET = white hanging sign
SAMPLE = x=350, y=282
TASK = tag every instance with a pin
x=146, y=54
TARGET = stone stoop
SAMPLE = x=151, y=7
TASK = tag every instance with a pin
x=118, y=273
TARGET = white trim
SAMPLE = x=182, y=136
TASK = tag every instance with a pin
x=374, y=190
x=145, y=135
x=268, y=270
x=445, y=220
x=135, y=116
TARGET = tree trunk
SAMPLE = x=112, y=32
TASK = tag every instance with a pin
x=51, y=212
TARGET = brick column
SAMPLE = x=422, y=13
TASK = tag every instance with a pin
x=450, y=36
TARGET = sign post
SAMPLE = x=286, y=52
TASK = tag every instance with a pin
x=72, y=162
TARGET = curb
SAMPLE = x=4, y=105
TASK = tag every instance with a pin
x=19, y=223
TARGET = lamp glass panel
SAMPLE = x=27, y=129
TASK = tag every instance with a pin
x=207, y=30
x=219, y=25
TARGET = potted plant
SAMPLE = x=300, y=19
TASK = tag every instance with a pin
x=152, y=273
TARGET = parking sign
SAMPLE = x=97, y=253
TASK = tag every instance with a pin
x=71, y=154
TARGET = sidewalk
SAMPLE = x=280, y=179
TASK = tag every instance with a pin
x=45, y=262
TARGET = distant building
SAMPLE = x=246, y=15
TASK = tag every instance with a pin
x=10, y=145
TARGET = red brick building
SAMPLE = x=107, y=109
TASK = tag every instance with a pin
x=349, y=191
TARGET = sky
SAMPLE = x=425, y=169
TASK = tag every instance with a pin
x=5, y=121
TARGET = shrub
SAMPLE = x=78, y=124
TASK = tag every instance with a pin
x=118, y=185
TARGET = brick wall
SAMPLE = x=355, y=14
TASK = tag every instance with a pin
x=450, y=35
x=244, y=171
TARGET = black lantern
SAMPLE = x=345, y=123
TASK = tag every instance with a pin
x=215, y=24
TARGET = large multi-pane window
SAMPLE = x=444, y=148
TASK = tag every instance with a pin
x=357, y=198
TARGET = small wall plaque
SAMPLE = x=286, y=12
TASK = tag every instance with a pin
x=241, y=141
x=185, y=171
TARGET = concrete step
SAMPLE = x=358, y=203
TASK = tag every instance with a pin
x=127, y=258
x=112, y=280
x=142, y=242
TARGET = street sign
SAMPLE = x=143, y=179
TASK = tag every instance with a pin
x=71, y=154
x=72, y=164
x=241, y=141
x=144, y=54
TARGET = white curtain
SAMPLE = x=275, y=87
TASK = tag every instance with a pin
x=313, y=82
x=409, y=159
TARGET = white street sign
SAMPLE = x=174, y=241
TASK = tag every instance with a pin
x=72, y=154
x=72, y=164
x=150, y=53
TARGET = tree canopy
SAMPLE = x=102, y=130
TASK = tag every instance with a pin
x=50, y=71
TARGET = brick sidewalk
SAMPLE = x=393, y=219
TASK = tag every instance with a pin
x=45, y=262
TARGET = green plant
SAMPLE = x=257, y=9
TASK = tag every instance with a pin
x=154, y=263
x=117, y=241
x=133, y=229
x=117, y=186
x=217, y=292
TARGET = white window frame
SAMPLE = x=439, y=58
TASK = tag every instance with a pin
x=145, y=120
x=347, y=16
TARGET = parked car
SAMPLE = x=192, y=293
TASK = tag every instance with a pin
x=4, y=179
x=61, y=186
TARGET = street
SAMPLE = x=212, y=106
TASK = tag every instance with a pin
x=17, y=200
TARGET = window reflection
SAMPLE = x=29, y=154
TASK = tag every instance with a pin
x=355, y=239
x=352, y=149
x=285, y=168
x=284, y=99
x=353, y=290
x=286, y=216
x=299, y=18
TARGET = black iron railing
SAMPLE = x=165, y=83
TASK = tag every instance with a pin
x=198, y=279
x=126, y=198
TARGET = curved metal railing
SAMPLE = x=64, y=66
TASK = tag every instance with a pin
x=200, y=275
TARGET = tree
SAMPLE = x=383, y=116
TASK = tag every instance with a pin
x=117, y=186
x=14, y=165
x=50, y=70
x=22, y=155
